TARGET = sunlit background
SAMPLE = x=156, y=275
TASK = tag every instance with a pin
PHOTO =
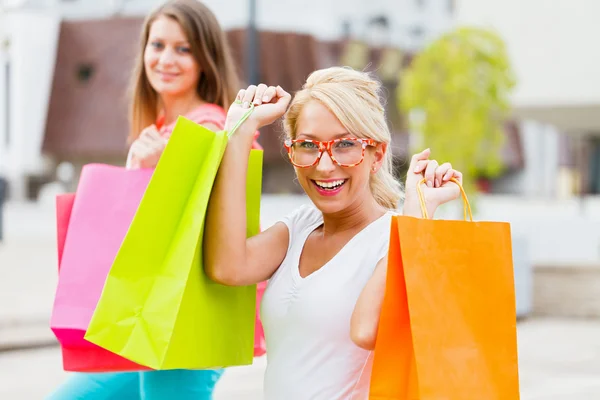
x=509, y=91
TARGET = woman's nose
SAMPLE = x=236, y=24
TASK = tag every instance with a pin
x=325, y=163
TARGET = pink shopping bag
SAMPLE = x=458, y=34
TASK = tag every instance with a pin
x=91, y=225
x=260, y=347
x=64, y=206
x=90, y=228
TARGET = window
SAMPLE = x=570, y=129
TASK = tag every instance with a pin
x=7, y=104
x=594, y=167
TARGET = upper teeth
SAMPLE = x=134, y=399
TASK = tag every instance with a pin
x=330, y=184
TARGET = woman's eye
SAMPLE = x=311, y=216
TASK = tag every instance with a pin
x=307, y=145
x=182, y=49
x=344, y=144
x=157, y=45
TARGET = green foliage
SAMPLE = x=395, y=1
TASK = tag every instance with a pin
x=460, y=85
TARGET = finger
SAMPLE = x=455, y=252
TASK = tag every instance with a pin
x=282, y=94
x=134, y=147
x=150, y=136
x=152, y=142
x=458, y=176
x=424, y=155
x=420, y=166
x=146, y=131
x=269, y=94
x=139, y=149
x=152, y=139
x=248, y=96
x=452, y=174
x=430, y=172
x=154, y=136
x=449, y=174
x=441, y=172
x=143, y=141
x=283, y=97
x=240, y=95
x=260, y=91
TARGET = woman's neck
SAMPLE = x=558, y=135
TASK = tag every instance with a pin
x=174, y=106
x=354, y=218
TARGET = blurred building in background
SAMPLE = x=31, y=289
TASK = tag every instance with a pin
x=558, y=93
x=63, y=83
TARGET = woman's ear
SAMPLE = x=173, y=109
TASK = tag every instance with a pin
x=379, y=156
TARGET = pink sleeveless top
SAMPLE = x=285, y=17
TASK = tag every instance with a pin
x=205, y=114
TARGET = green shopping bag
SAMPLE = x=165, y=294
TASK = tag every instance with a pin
x=158, y=308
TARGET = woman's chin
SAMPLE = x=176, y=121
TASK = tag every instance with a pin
x=170, y=89
x=329, y=205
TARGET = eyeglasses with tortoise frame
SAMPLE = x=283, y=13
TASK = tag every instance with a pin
x=345, y=152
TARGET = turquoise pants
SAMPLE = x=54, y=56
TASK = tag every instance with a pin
x=147, y=385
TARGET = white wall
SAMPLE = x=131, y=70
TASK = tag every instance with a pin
x=565, y=231
x=322, y=18
x=553, y=46
x=32, y=57
x=3, y=102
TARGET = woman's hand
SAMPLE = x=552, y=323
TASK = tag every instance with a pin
x=438, y=188
x=270, y=103
x=147, y=148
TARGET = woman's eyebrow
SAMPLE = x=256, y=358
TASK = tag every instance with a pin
x=311, y=136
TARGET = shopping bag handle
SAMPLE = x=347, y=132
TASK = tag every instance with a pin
x=466, y=205
x=241, y=121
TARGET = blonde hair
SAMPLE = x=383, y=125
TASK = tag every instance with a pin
x=218, y=83
x=354, y=98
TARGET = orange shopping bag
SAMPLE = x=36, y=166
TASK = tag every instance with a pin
x=448, y=321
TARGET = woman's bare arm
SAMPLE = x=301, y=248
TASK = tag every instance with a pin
x=365, y=318
x=229, y=257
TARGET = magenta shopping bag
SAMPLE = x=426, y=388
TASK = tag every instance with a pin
x=64, y=206
x=107, y=198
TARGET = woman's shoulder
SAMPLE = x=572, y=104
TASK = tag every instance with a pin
x=211, y=108
x=208, y=113
x=305, y=215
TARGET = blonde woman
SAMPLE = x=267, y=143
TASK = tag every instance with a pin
x=326, y=263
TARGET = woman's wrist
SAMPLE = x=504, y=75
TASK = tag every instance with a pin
x=243, y=137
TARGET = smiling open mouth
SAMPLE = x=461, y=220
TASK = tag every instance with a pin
x=330, y=185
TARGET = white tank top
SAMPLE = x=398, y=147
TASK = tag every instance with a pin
x=310, y=355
